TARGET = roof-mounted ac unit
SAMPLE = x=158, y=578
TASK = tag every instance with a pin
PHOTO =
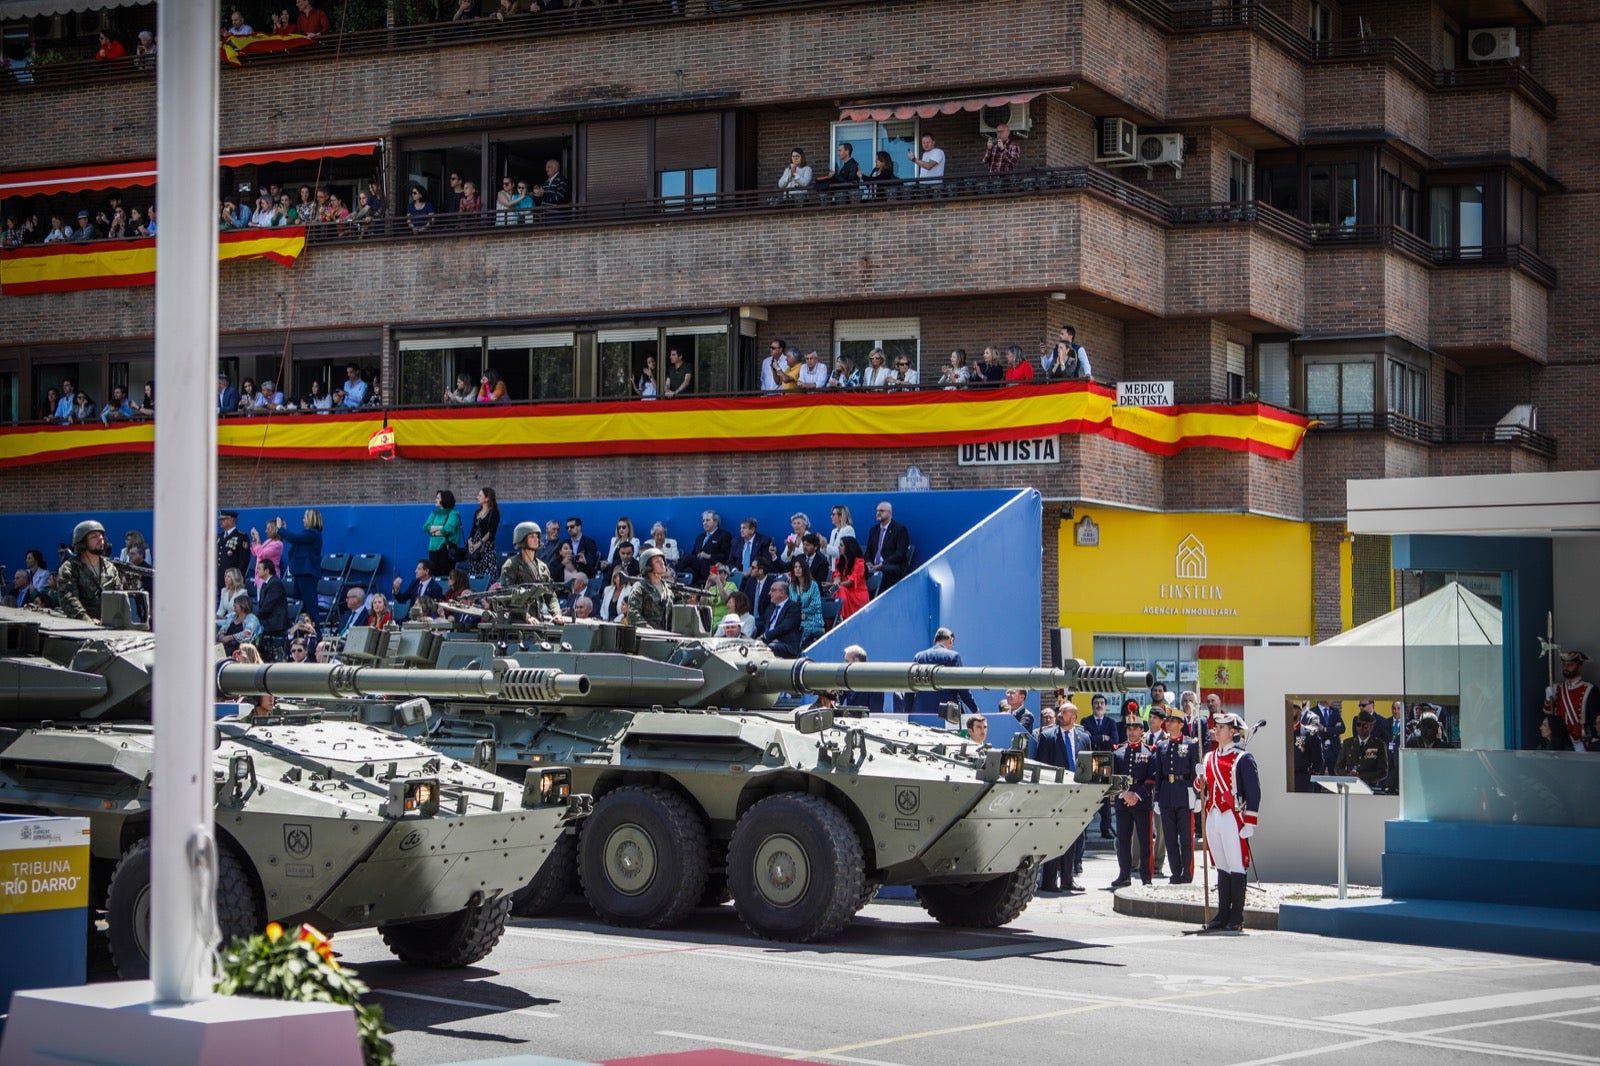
x=1119, y=141
x=1013, y=115
x=1157, y=148
x=1493, y=44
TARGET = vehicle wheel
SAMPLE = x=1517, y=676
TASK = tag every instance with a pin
x=239, y=908
x=869, y=892
x=980, y=904
x=555, y=881
x=795, y=868
x=456, y=940
x=642, y=857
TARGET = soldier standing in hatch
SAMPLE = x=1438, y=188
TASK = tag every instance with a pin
x=85, y=575
x=650, y=598
x=233, y=548
x=524, y=567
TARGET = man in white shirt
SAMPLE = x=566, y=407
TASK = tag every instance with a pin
x=930, y=164
x=814, y=374
x=355, y=389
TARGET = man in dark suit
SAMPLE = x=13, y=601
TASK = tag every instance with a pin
x=757, y=584
x=888, y=547
x=871, y=702
x=227, y=396
x=1059, y=746
x=751, y=545
x=585, y=552
x=1332, y=719
x=711, y=546
x=272, y=608
x=780, y=628
x=817, y=561
x=943, y=653
x=354, y=612
x=424, y=584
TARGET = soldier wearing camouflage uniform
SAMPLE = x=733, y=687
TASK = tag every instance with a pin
x=650, y=598
x=524, y=567
x=84, y=576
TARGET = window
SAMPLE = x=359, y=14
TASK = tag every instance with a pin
x=896, y=336
x=1272, y=373
x=705, y=351
x=1241, y=179
x=1336, y=390
x=429, y=365
x=622, y=356
x=1234, y=371
x=1397, y=201
x=536, y=366
x=432, y=167
x=1407, y=390
x=1455, y=218
x=696, y=186
x=1280, y=187
x=1455, y=398
x=866, y=139
x=1449, y=47
x=11, y=399
x=1319, y=21
x=1332, y=196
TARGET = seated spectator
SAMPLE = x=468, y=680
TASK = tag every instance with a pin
x=144, y=56
x=419, y=212
x=462, y=393
x=679, y=379
x=554, y=192
x=117, y=227
x=11, y=236
x=790, y=548
x=888, y=547
x=845, y=375
x=877, y=373
x=117, y=409
x=796, y=177
x=904, y=375
x=613, y=602
x=110, y=48
x=815, y=558
x=378, y=614
x=352, y=613
x=376, y=202
x=956, y=373
x=846, y=174
x=663, y=543
x=739, y=605
x=423, y=584
x=719, y=592
x=270, y=397
x=507, y=10
x=1017, y=366
x=582, y=607
x=59, y=231
x=243, y=627
x=808, y=594
x=232, y=585
x=490, y=388
x=729, y=625
x=780, y=625
x=149, y=229
x=813, y=373
x=757, y=581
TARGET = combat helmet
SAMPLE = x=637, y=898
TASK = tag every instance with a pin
x=81, y=531
x=520, y=535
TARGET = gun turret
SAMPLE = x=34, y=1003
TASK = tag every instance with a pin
x=506, y=680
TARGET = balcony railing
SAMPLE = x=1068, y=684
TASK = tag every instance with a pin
x=1407, y=428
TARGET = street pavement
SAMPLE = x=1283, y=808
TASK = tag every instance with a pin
x=1069, y=981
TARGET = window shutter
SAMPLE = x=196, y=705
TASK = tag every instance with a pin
x=688, y=142
x=616, y=164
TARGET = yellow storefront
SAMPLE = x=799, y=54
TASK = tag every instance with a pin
x=1182, y=595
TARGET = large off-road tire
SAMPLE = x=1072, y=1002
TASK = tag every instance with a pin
x=642, y=857
x=980, y=904
x=456, y=940
x=869, y=892
x=240, y=911
x=795, y=868
x=554, y=882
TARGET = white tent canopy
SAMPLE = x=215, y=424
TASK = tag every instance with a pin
x=1451, y=616
x=19, y=9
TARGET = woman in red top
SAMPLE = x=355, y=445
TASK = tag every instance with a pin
x=380, y=616
x=110, y=48
x=1017, y=366
x=850, y=573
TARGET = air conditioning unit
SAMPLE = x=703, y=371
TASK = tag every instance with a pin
x=1119, y=141
x=1157, y=148
x=1492, y=45
x=1013, y=115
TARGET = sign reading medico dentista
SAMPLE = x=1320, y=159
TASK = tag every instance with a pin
x=1146, y=394
x=1033, y=451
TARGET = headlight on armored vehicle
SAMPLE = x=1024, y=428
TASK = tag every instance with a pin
x=1001, y=766
x=412, y=795
x=546, y=786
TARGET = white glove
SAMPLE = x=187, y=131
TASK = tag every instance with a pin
x=1247, y=831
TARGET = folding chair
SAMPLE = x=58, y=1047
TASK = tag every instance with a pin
x=363, y=571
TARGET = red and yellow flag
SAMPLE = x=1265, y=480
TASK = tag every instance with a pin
x=126, y=264
x=1222, y=672
x=746, y=423
x=256, y=43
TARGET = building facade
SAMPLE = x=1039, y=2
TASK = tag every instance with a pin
x=1376, y=213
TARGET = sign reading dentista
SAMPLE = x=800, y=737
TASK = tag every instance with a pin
x=1146, y=394
x=1190, y=574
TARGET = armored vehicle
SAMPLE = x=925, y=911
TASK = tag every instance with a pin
x=337, y=823
x=710, y=782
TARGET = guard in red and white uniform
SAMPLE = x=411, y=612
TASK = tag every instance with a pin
x=1232, y=787
x=1572, y=699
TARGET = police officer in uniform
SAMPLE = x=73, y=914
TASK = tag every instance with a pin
x=1177, y=758
x=524, y=567
x=1135, y=760
x=650, y=598
x=85, y=575
x=233, y=548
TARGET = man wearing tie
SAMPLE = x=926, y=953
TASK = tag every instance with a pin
x=888, y=547
x=750, y=546
x=781, y=632
x=1058, y=746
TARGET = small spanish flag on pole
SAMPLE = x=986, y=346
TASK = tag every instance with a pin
x=380, y=445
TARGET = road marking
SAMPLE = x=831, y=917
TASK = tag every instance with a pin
x=487, y=1008
x=776, y=1050
x=1388, y=1015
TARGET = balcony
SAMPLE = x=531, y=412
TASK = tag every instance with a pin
x=1404, y=428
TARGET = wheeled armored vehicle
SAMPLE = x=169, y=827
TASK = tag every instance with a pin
x=333, y=822
x=711, y=780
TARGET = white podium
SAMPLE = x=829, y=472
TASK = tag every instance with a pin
x=1343, y=786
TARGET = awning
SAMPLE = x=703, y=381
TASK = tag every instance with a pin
x=27, y=9
x=950, y=105
x=143, y=172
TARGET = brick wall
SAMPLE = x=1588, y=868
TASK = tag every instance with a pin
x=1116, y=51
x=1326, y=539
x=1489, y=309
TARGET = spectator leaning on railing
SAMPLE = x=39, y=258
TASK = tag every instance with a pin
x=1066, y=358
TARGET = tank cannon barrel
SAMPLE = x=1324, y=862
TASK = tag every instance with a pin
x=802, y=676
x=506, y=680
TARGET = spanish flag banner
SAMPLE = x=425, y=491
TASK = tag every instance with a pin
x=257, y=43
x=115, y=264
x=1222, y=672
x=747, y=423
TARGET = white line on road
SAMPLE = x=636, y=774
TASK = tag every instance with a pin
x=700, y=1039
x=1389, y=1015
x=487, y=1008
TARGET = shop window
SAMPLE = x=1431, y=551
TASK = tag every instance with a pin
x=1341, y=392
x=867, y=139
x=898, y=337
x=1241, y=179
x=1407, y=392
x=535, y=367
x=428, y=366
x=1455, y=219
x=622, y=356
x=1332, y=196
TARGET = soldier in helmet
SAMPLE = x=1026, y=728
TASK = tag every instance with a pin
x=524, y=567
x=650, y=599
x=86, y=574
